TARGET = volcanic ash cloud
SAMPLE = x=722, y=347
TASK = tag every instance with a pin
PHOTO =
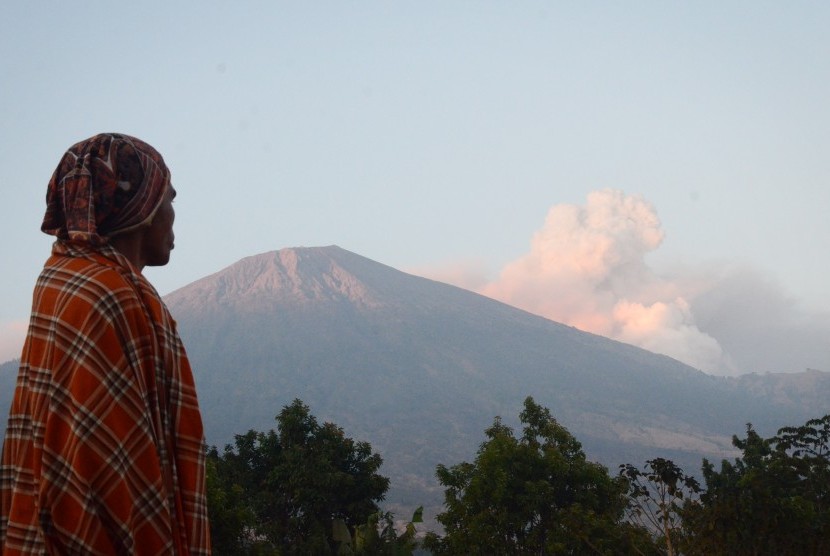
x=586, y=268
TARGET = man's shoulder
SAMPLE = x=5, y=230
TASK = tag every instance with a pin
x=96, y=275
x=73, y=289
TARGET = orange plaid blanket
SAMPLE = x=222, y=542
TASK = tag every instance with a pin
x=104, y=450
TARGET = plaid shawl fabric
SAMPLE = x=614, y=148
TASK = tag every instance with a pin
x=104, y=448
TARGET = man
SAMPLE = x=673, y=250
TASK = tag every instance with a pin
x=103, y=451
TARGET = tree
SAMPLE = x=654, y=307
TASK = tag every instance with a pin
x=532, y=495
x=808, y=448
x=656, y=496
x=230, y=516
x=379, y=536
x=771, y=500
x=286, y=488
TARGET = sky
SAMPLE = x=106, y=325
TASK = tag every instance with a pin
x=656, y=172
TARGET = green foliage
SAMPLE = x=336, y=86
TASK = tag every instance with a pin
x=533, y=495
x=230, y=517
x=308, y=489
x=771, y=500
x=378, y=536
x=282, y=491
x=656, y=496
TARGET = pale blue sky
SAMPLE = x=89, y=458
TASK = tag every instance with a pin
x=429, y=133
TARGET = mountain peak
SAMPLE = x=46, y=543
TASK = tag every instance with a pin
x=294, y=276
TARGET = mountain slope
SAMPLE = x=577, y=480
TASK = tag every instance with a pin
x=8, y=379
x=420, y=368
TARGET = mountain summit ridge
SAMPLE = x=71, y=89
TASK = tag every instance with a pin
x=295, y=275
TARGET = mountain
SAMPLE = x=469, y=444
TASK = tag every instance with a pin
x=419, y=369
x=8, y=378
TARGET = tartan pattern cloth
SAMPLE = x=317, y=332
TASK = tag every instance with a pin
x=104, y=449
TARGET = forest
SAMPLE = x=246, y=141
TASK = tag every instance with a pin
x=307, y=488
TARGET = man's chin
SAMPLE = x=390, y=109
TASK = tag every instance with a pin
x=162, y=260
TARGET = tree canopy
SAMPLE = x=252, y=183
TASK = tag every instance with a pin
x=284, y=490
x=306, y=488
x=656, y=498
x=774, y=499
x=536, y=494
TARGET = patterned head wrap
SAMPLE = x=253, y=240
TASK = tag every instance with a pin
x=103, y=186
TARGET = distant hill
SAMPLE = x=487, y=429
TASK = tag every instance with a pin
x=8, y=378
x=419, y=369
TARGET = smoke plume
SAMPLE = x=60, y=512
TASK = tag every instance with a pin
x=586, y=268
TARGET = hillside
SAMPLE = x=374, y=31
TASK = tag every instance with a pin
x=8, y=377
x=420, y=368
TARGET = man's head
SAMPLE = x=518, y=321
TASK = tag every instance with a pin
x=113, y=188
x=103, y=186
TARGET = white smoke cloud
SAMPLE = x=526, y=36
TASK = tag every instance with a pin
x=12, y=335
x=586, y=268
x=761, y=326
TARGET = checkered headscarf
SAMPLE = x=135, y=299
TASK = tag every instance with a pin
x=105, y=185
